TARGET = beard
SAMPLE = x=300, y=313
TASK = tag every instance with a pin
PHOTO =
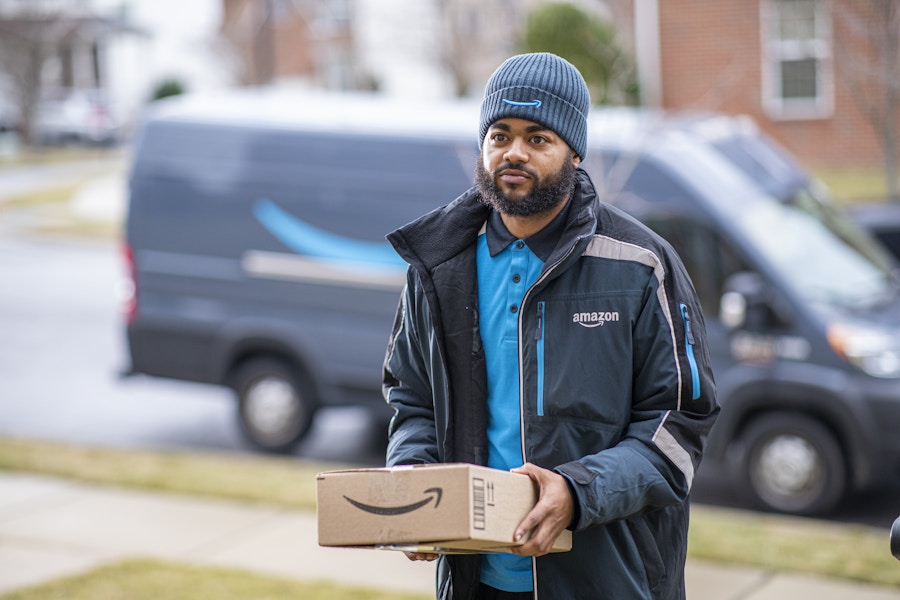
x=546, y=193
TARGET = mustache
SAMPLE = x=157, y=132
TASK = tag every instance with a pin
x=509, y=165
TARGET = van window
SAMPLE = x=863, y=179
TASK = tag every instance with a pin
x=765, y=164
x=812, y=256
x=632, y=183
x=838, y=223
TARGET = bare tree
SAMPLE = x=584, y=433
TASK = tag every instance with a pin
x=474, y=36
x=872, y=66
x=250, y=32
x=27, y=40
x=34, y=31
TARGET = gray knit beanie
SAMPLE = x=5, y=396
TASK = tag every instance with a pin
x=543, y=88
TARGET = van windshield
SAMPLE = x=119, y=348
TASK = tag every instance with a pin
x=826, y=257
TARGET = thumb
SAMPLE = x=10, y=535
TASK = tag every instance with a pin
x=526, y=469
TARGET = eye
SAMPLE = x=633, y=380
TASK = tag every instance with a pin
x=498, y=137
x=539, y=139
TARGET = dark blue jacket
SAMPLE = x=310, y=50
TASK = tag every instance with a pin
x=613, y=330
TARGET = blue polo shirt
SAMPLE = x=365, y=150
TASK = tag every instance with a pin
x=507, y=267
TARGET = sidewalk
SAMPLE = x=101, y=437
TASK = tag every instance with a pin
x=51, y=528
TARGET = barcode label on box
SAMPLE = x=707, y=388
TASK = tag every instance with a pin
x=478, y=501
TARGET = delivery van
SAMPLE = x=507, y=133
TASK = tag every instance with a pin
x=255, y=237
x=801, y=305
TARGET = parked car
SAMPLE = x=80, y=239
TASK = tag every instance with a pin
x=76, y=117
x=882, y=220
x=255, y=236
x=10, y=117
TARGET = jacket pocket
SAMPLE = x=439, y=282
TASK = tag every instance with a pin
x=647, y=548
x=539, y=334
x=689, y=349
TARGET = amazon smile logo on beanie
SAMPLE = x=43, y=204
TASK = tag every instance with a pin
x=543, y=88
x=535, y=103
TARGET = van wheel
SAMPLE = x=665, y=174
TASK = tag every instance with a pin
x=276, y=404
x=789, y=463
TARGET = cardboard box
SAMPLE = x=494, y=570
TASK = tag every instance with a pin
x=443, y=508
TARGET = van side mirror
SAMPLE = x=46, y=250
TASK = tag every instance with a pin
x=746, y=303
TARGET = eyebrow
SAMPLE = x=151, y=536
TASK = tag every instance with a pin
x=529, y=129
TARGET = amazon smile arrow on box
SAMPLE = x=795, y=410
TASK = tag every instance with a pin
x=444, y=508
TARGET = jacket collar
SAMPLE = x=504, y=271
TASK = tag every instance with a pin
x=445, y=232
x=541, y=243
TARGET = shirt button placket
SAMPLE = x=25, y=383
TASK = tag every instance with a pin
x=515, y=292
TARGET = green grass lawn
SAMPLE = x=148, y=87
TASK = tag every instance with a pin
x=784, y=543
x=245, y=477
x=48, y=209
x=154, y=580
x=847, y=186
x=27, y=157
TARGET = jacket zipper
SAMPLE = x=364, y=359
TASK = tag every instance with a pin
x=540, y=279
x=539, y=337
x=689, y=346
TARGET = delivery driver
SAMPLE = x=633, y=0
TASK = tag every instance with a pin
x=542, y=330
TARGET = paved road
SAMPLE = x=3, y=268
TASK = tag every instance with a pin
x=64, y=349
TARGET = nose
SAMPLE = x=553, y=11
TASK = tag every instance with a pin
x=516, y=151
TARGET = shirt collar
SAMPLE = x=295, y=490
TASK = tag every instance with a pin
x=541, y=243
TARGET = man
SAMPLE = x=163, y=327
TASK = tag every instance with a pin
x=544, y=331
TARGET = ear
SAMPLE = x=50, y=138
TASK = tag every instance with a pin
x=576, y=160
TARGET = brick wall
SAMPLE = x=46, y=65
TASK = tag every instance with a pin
x=286, y=47
x=711, y=60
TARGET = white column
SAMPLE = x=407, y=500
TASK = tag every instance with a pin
x=647, y=51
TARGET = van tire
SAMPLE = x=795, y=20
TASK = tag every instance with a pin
x=276, y=404
x=789, y=463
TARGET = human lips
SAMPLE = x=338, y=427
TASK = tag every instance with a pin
x=513, y=176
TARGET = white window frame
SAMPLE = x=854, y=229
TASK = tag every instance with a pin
x=776, y=50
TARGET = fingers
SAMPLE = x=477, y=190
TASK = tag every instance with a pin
x=421, y=556
x=540, y=541
x=549, y=517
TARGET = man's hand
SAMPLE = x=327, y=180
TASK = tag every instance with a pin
x=427, y=556
x=549, y=517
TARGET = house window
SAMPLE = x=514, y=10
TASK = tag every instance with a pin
x=796, y=59
x=340, y=11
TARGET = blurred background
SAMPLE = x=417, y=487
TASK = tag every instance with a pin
x=818, y=77
x=76, y=77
